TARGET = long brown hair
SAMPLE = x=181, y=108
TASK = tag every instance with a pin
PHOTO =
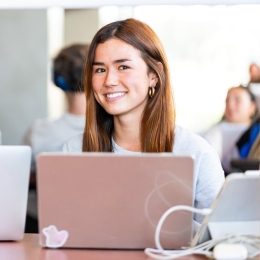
x=158, y=120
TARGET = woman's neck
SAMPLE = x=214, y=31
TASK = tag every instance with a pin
x=127, y=133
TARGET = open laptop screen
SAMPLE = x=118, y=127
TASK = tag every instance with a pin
x=106, y=200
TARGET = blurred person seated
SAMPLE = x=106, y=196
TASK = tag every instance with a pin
x=249, y=143
x=254, y=83
x=240, y=108
x=49, y=135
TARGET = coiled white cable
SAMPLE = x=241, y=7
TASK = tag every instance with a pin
x=204, y=248
x=171, y=210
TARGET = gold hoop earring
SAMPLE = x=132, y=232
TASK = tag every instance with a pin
x=151, y=92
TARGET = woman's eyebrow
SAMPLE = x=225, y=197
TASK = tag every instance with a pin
x=121, y=60
x=97, y=63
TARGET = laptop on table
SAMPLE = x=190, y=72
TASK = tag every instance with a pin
x=106, y=200
x=15, y=164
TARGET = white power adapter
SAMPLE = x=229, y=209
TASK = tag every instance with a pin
x=230, y=252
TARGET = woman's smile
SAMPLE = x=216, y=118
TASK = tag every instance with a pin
x=114, y=96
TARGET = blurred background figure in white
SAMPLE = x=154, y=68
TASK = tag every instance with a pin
x=240, y=108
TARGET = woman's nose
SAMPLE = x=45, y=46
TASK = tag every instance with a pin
x=111, y=78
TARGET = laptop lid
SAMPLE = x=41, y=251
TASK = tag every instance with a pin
x=14, y=174
x=235, y=210
x=106, y=200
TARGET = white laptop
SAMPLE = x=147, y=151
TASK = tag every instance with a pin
x=14, y=175
x=235, y=210
x=106, y=200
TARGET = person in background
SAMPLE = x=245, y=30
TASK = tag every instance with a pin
x=48, y=135
x=248, y=144
x=130, y=106
x=254, y=83
x=240, y=108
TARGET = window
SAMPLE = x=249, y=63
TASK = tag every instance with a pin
x=209, y=49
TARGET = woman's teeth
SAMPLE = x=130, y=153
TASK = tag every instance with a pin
x=118, y=94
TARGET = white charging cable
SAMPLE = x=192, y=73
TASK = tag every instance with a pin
x=171, y=210
x=171, y=254
x=204, y=248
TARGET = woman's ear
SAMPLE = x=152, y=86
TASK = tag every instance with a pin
x=153, y=76
x=153, y=79
x=160, y=65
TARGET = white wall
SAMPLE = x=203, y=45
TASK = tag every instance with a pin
x=23, y=68
x=69, y=4
x=55, y=96
x=80, y=26
x=29, y=41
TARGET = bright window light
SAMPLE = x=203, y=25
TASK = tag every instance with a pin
x=209, y=49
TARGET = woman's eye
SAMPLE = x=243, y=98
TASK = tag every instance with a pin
x=99, y=70
x=123, y=67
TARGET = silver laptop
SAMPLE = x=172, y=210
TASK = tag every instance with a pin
x=14, y=174
x=235, y=210
x=106, y=200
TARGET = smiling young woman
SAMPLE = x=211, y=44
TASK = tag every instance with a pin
x=130, y=107
x=137, y=47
